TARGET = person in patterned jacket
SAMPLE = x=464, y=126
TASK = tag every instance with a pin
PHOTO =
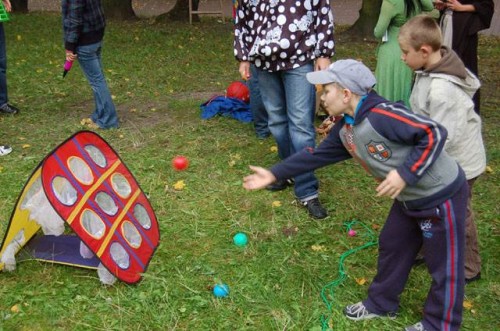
x=404, y=153
x=285, y=40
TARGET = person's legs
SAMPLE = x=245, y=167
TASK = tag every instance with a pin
x=399, y=242
x=444, y=242
x=273, y=96
x=3, y=68
x=300, y=106
x=472, y=257
x=259, y=112
x=289, y=100
x=89, y=57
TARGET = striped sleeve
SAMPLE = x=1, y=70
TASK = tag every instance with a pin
x=425, y=135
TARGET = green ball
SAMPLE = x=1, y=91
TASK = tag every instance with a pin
x=240, y=239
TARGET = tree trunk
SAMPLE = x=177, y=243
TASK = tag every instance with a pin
x=19, y=6
x=180, y=12
x=368, y=17
x=118, y=9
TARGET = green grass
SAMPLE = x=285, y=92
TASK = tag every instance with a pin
x=159, y=75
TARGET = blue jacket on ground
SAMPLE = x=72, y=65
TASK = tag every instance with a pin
x=229, y=107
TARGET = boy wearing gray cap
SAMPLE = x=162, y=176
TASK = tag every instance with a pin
x=404, y=152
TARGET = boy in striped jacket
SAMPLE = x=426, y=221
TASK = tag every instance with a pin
x=404, y=153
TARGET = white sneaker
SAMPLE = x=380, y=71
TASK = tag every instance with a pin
x=4, y=150
x=358, y=312
x=416, y=327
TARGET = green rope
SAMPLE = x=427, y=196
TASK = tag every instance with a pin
x=328, y=289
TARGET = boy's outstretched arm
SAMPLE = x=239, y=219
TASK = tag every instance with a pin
x=259, y=179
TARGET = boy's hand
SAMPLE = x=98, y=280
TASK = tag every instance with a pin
x=244, y=70
x=259, y=179
x=392, y=185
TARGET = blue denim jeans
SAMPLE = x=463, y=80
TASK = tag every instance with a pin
x=257, y=108
x=3, y=68
x=290, y=102
x=89, y=57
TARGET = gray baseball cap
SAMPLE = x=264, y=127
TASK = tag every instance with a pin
x=351, y=74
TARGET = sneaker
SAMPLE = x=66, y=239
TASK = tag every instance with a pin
x=4, y=150
x=279, y=185
x=315, y=209
x=416, y=327
x=358, y=312
x=473, y=279
x=9, y=109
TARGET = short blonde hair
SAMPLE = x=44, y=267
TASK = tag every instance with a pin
x=421, y=30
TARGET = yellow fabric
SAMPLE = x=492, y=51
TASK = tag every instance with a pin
x=20, y=220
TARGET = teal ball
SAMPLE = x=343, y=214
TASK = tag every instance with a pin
x=221, y=290
x=240, y=239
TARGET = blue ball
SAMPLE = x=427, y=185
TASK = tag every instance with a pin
x=221, y=290
x=240, y=239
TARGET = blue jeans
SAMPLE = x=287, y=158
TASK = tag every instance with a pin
x=257, y=108
x=89, y=57
x=290, y=101
x=3, y=68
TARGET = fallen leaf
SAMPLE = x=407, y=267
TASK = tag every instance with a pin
x=19, y=37
x=318, y=248
x=179, y=186
x=467, y=304
x=361, y=281
x=26, y=146
x=276, y=203
x=15, y=308
x=489, y=170
x=274, y=149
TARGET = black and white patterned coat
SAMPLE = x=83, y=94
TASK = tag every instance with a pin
x=283, y=34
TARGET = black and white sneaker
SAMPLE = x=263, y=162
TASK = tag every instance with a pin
x=280, y=185
x=4, y=150
x=315, y=209
x=9, y=109
x=358, y=312
x=416, y=327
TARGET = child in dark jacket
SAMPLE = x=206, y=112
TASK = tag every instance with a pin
x=404, y=152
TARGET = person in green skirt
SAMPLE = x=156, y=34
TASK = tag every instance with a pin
x=394, y=78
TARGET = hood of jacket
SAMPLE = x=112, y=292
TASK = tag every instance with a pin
x=451, y=68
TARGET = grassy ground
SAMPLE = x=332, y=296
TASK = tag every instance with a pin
x=159, y=75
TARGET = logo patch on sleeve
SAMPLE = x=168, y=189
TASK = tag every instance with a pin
x=378, y=150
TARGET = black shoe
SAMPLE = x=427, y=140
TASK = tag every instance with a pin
x=279, y=185
x=9, y=109
x=473, y=279
x=315, y=209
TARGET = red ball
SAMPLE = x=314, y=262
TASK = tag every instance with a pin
x=180, y=162
x=238, y=90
